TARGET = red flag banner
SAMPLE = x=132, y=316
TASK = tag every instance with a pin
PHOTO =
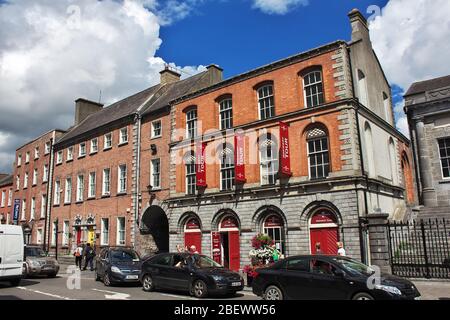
x=239, y=157
x=201, y=164
x=285, y=157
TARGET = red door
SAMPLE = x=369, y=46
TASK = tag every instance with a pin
x=327, y=237
x=78, y=236
x=235, y=254
x=193, y=238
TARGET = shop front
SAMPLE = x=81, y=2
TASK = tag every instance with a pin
x=226, y=243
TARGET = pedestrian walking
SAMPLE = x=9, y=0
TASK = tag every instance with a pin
x=89, y=255
x=78, y=254
x=275, y=254
x=341, y=250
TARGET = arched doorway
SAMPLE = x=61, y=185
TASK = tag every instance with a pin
x=225, y=243
x=323, y=230
x=273, y=226
x=155, y=223
x=193, y=234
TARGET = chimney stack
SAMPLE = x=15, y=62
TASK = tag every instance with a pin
x=169, y=76
x=84, y=108
x=360, y=29
x=215, y=73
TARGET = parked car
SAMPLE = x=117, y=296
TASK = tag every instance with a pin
x=37, y=262
x=329, y=277
x=11, y=253
x=194, y=273
x=117, y=265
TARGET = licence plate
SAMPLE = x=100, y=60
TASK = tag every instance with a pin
x=236, y=284
x=133, y=277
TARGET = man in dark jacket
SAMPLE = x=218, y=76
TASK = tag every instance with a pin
x=89, y=255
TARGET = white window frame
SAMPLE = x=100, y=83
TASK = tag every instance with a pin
x=47, y=147
x=35, y=176
x=120, y=232
x=316, y=84
x=57, y=199
x=33, y=208
x=43, y=205
x=69, y=153
x=59, y=157
x=92, y=184
x=54, y=227
x=82, y=150
x=94, y=146
x=24, y=210
x=80, y=188
x=311, y=154
x=123, y=135
x=107, y=141
x=226, y=113
x=190, y=175
x=18, y=182
x=442, y=158
x=39, y=235
x=45, y=175
x=227, y=173
x=27, y=157
x=66, y=232
x=266, y=96
x=3, y=198
x=106, y=181
x=264, y=162
x=25, y=180
x=36, y=153
x=104, y=235
x=10, y=195
x=153, y=174
x=153, y=135
x=68, y=191
x=19, y=160
x=191, y=124
x=122, y=178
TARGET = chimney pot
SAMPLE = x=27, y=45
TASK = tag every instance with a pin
x=169, y=76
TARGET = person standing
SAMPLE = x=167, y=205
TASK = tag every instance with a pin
x=89, y=257
x=318, y=250
x=78, y=253
x=341, y=250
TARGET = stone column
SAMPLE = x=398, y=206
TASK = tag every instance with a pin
x=379, y=241
x=428, y=192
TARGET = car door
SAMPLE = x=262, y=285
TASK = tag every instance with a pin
x=325, y=283
x=295, y=278
x=178, y=277
x=159, y=270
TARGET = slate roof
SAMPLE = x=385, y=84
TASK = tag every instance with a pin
x=6, y=179
x=428, y=85
x=155, y=98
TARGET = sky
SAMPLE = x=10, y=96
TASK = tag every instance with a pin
x=53, y=52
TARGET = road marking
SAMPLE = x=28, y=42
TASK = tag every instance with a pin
x=178, y=296
x=45, y=293
x=114, y=295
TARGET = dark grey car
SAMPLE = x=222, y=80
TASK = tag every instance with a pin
x=117, y=265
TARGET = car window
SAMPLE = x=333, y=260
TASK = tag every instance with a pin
x=124, y=256
x=322, y=267
x=201, y=262
x=34, y=252
x=301, y=264
x=164, y=260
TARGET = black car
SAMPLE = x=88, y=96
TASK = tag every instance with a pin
x=117, y=265
x=317, y=277
x=194, y=273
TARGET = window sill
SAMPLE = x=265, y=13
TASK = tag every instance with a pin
x=106, y=149
x=58, y=163
x=123, y=193
x=106, y=196
x=69, y=160
x=122, y=144
x=90, y=198
x=44, y=182
x=67, y=203
x=79, y=202
x=155, y=137
x=444, y=181
x=56, y=205
x=81, y=157
x=92, y=153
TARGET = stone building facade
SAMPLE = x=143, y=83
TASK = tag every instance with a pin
x=334, y=99
x=427, y=105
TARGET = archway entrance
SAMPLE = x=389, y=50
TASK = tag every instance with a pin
x=155, y=223
x=225, y=244
x=323, y=229
x=193, y=234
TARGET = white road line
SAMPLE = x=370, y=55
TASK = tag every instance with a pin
x=45, y=293
x=114, y=295
x=177, y=296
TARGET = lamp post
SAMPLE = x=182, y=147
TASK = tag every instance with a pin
x=56, y=238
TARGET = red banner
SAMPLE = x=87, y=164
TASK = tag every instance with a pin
x=216, y=247
x=285, y=158
x=201, y=164
x=239, y=157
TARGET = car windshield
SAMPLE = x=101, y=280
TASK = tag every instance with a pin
x=204, y=262
x=354, y=267
x=34, y=252
x=124, y=256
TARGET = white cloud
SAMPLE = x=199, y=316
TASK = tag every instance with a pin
x=401, y=120
x=52, y=52
x=411, y=39
x=278, y=6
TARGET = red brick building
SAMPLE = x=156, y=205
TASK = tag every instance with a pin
x=32, y=175
x=6, y=198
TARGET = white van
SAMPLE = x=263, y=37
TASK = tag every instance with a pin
x=11, y=253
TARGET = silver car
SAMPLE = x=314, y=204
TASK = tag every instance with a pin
x=37, y=262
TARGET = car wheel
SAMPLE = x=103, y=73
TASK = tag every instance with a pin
x=273, y=293
x=147, y=283
x=106, y=279
x=15, y=282
x=200, y=289
x=363, y=296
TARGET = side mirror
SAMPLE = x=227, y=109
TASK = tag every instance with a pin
x=339, y=273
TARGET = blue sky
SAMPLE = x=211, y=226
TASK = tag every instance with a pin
x=119, y=47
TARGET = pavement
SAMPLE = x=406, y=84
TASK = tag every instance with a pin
x=433, y=289
x=82, y=286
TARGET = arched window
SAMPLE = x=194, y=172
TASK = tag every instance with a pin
x=226, y=113
x=226, y=153
x=273, y=226
x=266, y=102
x=268, y=151
x=393, y=161
x=369, y=149
x=191, y=177
x=191, y=123
x=318, y=153
x=313, y=86
x=362, y=89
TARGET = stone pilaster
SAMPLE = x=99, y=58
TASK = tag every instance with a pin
x=379, y=241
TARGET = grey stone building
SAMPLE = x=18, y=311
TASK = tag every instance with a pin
x=427, y=105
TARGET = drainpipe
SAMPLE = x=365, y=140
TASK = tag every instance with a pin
x=138, y=119
x=46, y=244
